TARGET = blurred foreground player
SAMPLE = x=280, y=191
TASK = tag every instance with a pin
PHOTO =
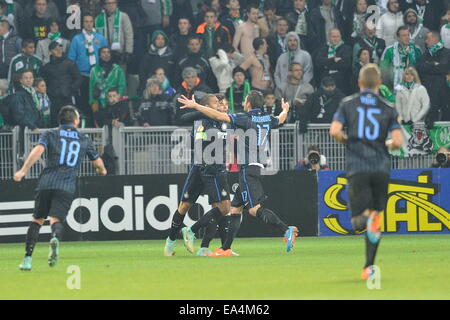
x=250, y=194
x=369, y=120
x=66, y=148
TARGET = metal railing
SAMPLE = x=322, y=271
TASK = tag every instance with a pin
x=9, y=144
x=99, y=138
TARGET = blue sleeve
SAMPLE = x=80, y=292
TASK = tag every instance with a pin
x=91, y=152
x=44, y=140
x=394, y=124
x=239, y=120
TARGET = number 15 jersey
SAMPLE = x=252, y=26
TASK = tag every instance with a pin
x=369, y=119
x=66, y=149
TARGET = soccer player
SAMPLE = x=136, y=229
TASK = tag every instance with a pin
x=250, y=194
x=209, y=178
x=369, y=120
x=65, y=148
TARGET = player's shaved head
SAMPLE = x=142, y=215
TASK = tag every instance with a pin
x=370, y=77
x=68, y=115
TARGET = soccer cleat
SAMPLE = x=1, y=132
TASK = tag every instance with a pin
x=367, y=273
x=219, y=252
x=169, y=248
x=188, y=237
x=234, y=254
x=289, y=237
x=373, y=228
x=204, y=252
x=26, y=265
x=54, y=252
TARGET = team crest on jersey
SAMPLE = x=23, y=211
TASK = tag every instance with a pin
x=224, y=126
x=186, y=195
x=420, y=140
x=235, y=187
x=200, y=129
x=224, y=193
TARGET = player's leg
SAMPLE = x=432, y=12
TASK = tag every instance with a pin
x=233, y=221
x=41, y=209
x=212, y=226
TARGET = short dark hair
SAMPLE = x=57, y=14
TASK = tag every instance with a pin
x=195, y=36
x=291, y=66
x=21, y=73
x=269, y=5
x=26, y=42
x=256, y=99
x=211, y=10
x=67, y=115
x=114, y=89
x=402, y=28
x=258, y=42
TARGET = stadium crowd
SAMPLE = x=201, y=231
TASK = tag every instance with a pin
x=128, y=61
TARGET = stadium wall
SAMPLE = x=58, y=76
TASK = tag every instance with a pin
x=140, y=207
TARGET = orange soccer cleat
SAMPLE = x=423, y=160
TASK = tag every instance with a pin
x=219, y=252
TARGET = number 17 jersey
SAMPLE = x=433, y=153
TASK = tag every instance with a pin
x=369, y=119
x=66, y=149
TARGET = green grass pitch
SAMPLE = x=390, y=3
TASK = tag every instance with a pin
x=412, y=267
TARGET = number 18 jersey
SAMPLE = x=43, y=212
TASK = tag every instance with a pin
x=66, y=149
x=369, y=119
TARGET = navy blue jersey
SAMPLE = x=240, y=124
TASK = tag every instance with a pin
x=369, y=119
x=66, y=148
x=257, y=126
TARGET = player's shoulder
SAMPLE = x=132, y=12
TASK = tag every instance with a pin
x=350, y=99
x=386, y=103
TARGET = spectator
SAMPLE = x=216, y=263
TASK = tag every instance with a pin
x=44, y=105
x=364, y=57
x=294, y=54
x=156, y=108
x=443, y=161
x=84, y=51
x=116, y=113
x=298, y=21
x=277, y=42
x=445, y=30
x=116, y=27
x=238, y=92
x=320, y=106
x=196, y=59
x=354, y=25
x=213, y=32
x=24, y=61
x=104, y=76
x=179, y=40
x=159, y=54
x=181, y=9
x=247, y=32
x=389, y=23
x=267, y=22
x=63, y=80
x=91, y=7
x=412, y=101
x=37, y=26
x=191, y=85
x=47, y=8
x=322, y=20
x=54, y=34
x=167, y=88
x=208, y=5
x=335, y=60
x=295, y=91
x=369, y=41
x=433, y=67
x=401, y=55
x=24, y=103
x=5, y=117
x=232, y=18
x=314, y=161
x=223, y=64
x=416, y=30
x=10, y=46
x=7, y=12
x=272, y=105
x=259, y=66
x=428, y=12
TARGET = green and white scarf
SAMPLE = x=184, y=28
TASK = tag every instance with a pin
x=447, y=25
x=90, y=46
x=100, y=25
x=332, y=49
x=34, y=95
x=403, y=57
x=55, y=36
x=409, y=85
x=435, y=48
x=244, y=95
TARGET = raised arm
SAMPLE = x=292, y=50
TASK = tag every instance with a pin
x=210, y=113
x=284, y=114
x=33, y=157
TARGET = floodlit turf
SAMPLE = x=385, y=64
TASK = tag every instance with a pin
x=412, y=267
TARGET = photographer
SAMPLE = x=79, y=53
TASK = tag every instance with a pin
x=442, y=159
x=313, y=161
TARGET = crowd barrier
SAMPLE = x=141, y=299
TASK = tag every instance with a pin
x=164, y=150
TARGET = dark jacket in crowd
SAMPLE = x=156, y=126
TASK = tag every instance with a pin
x=377, y=52
x=199, y=62
x=434, y=80
x=199, y=91
x=433, y=13
x=9, y=48
x=156, y=111
x=181, y=9
x=339, y=71
x=316, y=27
x=320, y=107
x=119, y=111
x=62, y=77
x=36, y=28
x=151, y=61
x=292, y=18
x=23, y=110
x=179, y=45
x=274, y=51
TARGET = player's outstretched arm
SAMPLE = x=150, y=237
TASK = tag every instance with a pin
x=33, y=157
x=100, y=167
x=336, y=131
x=284, y=114
x=210, y=113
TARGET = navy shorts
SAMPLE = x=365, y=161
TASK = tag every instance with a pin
x=250, y=192
x=52, y=203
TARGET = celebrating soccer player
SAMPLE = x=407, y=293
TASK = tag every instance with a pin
x=368, y=119
x=65, y=148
